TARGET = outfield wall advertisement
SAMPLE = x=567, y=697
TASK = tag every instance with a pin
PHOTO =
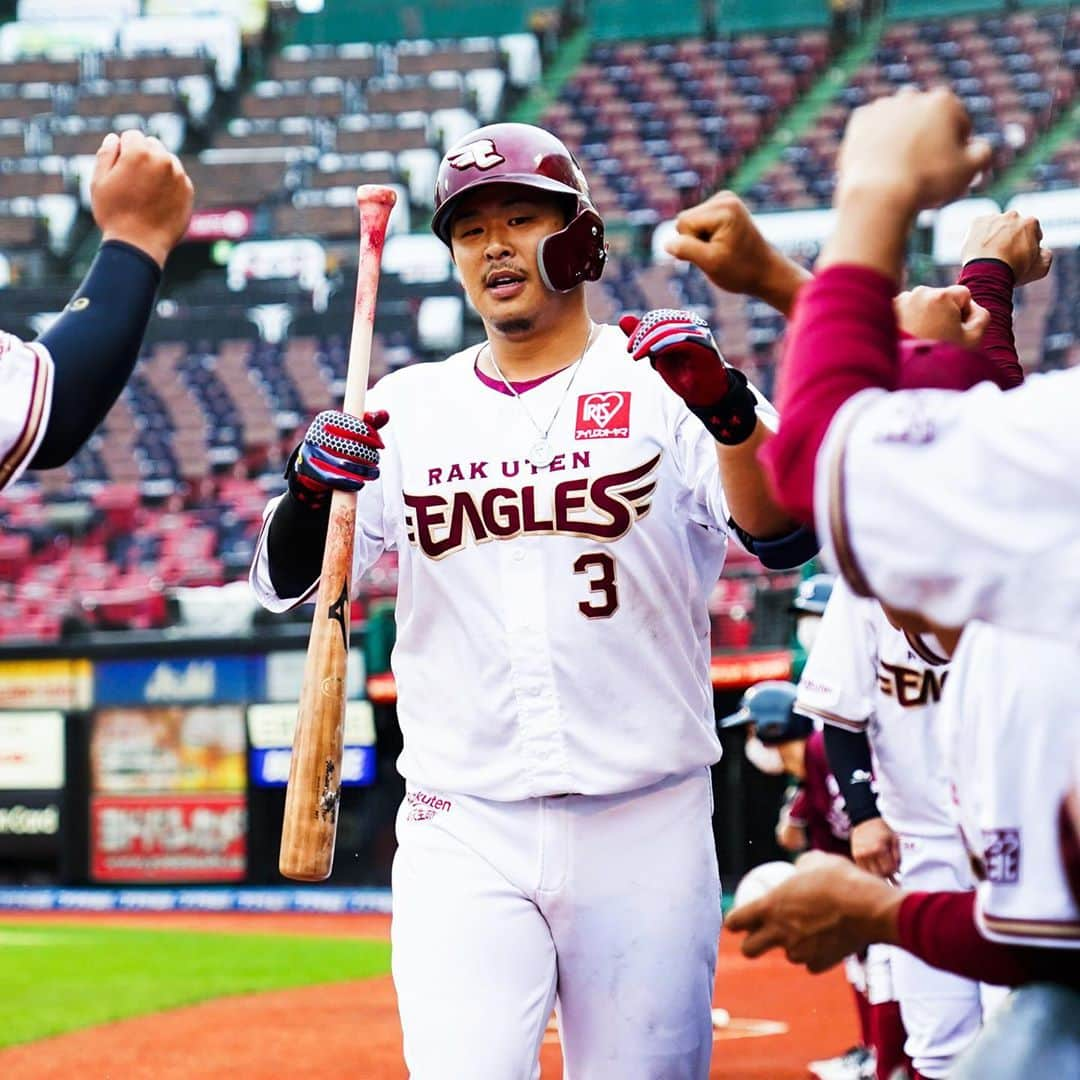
x=31, y=784
x=198, y=679
x=167, y=794
x=271, y=728
x=29, y=824
x=46, y=684
x=31, y=751
x=167, y=749
x=168, y=838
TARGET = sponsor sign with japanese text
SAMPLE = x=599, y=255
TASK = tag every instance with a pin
x=174, y=838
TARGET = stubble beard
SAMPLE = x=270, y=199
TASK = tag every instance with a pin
x=515, y=326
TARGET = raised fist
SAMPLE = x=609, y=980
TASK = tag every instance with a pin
x=948, y=314
x=1014, y=240
x=916, y=147
x=339, y=453
x=722, y=239
x=140, y=193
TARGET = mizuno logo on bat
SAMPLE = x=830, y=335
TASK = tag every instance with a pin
x=337, y=610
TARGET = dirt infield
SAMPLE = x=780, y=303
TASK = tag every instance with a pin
x=350, y=1030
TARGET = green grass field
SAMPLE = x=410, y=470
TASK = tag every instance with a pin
x=59, y=978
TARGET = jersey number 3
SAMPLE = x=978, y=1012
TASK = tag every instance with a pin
x=602, y=581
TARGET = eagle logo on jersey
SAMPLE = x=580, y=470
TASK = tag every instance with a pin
x=602, y=508
x=480, y=154
x=604, y=415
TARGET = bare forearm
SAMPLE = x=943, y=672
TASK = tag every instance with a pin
x=746, y=487
x=781, y=282
x=871, y=231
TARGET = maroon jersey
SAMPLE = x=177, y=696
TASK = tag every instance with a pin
x=818, y=806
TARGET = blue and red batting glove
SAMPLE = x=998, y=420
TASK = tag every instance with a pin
x=681, y=347
x=339, y=453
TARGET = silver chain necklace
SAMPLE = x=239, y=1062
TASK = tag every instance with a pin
x=542, y=453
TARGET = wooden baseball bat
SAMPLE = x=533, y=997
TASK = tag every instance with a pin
x=311, y=800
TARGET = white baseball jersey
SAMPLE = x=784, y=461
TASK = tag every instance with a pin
x=959, y=506
x=552, y=628
x=1012, y=727
x=26, y=375
x=865, y=675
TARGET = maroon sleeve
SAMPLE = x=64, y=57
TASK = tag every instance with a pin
x=798, y=810
x=991, y=283
x=843, y=339
x=940, y=929
x=1069, y=838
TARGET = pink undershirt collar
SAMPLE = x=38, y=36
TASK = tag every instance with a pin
x=520, y=387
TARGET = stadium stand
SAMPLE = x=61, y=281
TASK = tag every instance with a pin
x=168, y=494
x=658, y=124
x=1016, y=75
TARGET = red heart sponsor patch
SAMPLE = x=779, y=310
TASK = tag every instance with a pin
x=604, y=415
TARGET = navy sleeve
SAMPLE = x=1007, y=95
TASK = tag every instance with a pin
x=94, y=344
x=780, y=552
x=849, y=759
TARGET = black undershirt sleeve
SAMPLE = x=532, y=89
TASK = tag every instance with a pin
x=849, y=759
x=295, y=541
x=94, y=344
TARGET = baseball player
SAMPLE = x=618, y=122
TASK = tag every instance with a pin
x=560, y=514
x=809, y=605
x=984, y=478
x=1010, y=747
x=983, y=483
x=721, y=237
x=54, y=391
x=878, y=689
x=814, y=817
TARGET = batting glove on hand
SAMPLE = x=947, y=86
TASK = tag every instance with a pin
x=681, y=347
x=339, y=453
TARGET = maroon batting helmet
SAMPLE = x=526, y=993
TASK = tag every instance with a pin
x=527, y=155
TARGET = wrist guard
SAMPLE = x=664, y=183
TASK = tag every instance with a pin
x=733, y=418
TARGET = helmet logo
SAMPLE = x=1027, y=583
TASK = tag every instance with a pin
x=476, y=155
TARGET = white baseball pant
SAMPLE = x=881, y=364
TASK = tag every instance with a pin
x=607, y=907
x=942, y=1012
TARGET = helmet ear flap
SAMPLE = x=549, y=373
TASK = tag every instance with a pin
x=574, y=254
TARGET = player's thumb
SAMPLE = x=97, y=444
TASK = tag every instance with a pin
x=745, y=916
x=688, y=249
x=106, y=155
x=974, y=320
x=960, y=295
x=978, y=153
x=628, y=324
x=376, y=419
